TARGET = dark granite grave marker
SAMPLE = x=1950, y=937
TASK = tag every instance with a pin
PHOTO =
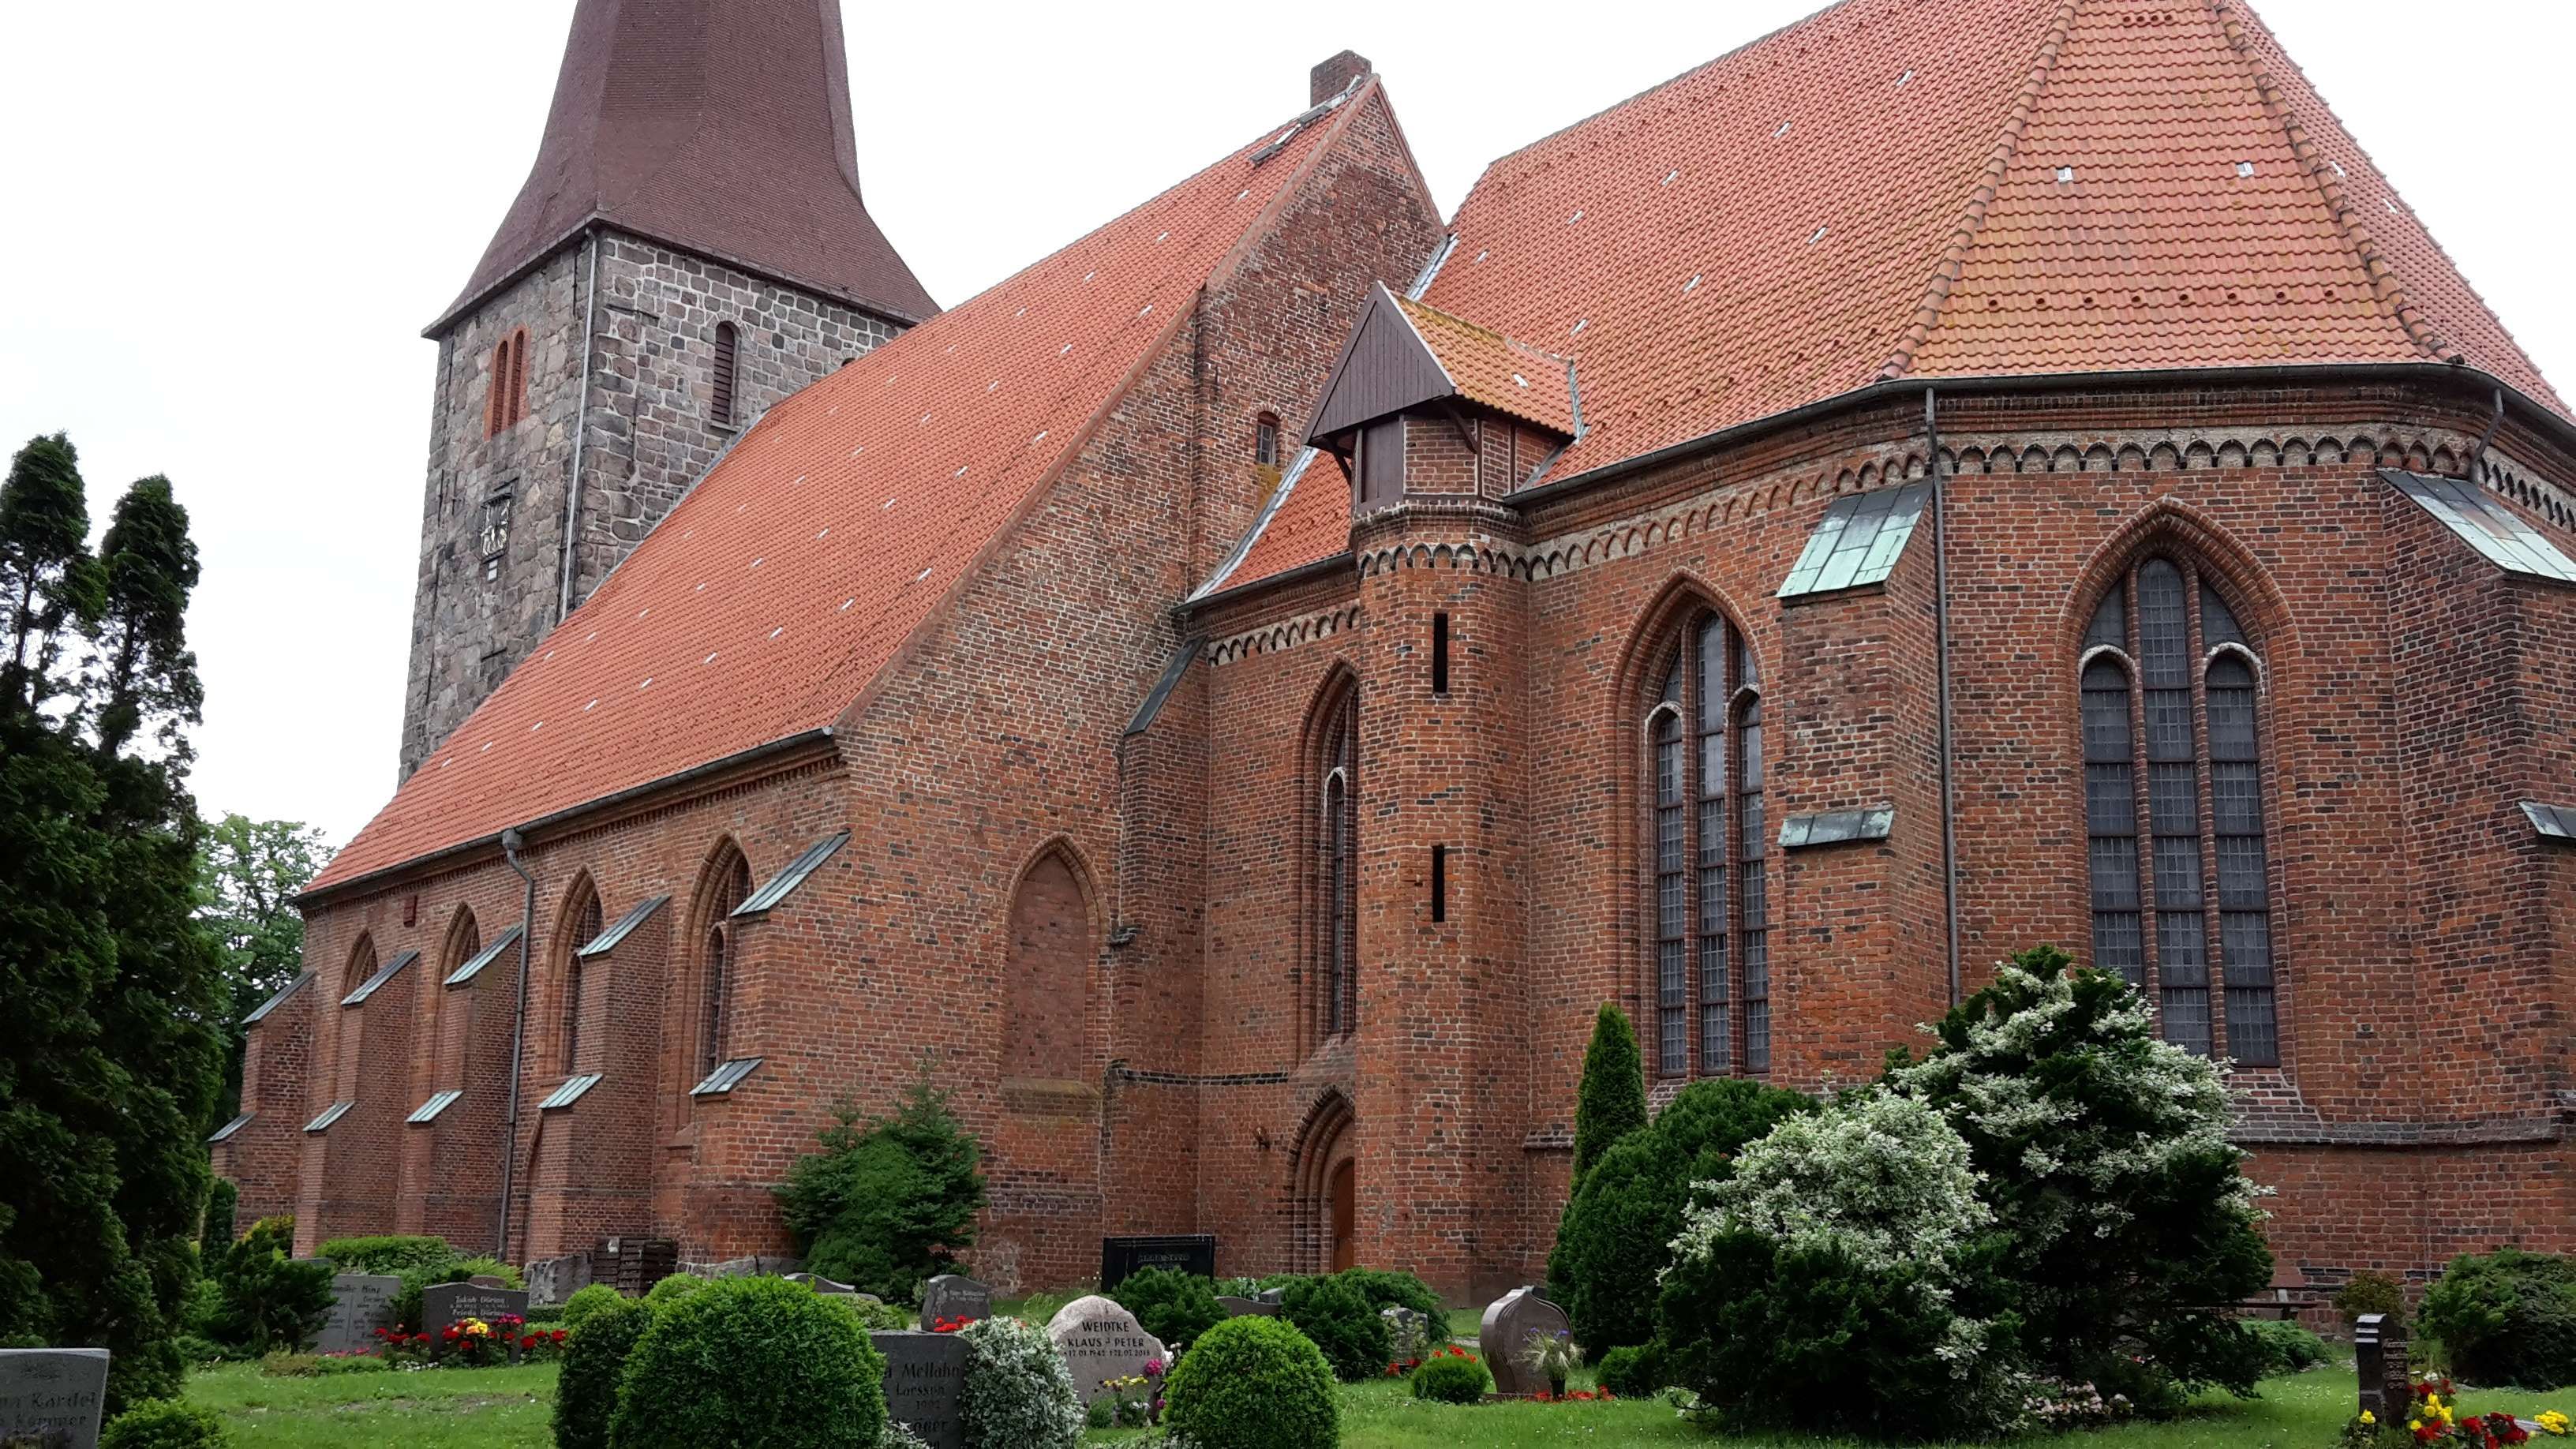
x=925, y=1374
x=953, y=1296
x=2379, y=1358
x=363, y=1303
x=444, y=1303
x=1504, y=1336
x=51, y=1398
x=1189, y=1252
x=1251, y=1307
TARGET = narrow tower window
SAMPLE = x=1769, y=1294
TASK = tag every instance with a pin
x=1265, y=440
x=722, y=408
x=1439, y=654
x=505, y=393
x=1439, y=883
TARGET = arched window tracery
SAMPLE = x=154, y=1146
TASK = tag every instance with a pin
x=1337, y=884
x=2174, y=815
x=1706, y=855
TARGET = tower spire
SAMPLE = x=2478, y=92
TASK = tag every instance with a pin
x=720, y=127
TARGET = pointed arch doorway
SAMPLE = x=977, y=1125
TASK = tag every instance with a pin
x=1327, y=1188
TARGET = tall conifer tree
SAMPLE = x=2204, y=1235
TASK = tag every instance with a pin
x=1611, y=1103
x=111, y=1068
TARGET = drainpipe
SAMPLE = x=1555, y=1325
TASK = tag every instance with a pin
x=511, y=840
x=1941, y=644
x=2477, y=461
x=580, y=426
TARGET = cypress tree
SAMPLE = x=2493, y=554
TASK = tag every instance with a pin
x=1611, y=1103
x=110, y=1070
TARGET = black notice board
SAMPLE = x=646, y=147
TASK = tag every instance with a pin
x=1189, y=1252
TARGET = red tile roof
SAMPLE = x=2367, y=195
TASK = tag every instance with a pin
x=720, y=128
x=772, y=593
x=1489, y=368
x=1874, y=192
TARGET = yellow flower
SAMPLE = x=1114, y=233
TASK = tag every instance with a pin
x=2414, y=1423
x=2552, y=1422
x=2368, y=1417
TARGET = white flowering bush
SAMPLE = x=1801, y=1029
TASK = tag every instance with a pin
x=1018, y=1393
x=1837, y=1282
x=2104, y=1156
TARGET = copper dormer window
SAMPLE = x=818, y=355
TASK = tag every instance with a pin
x=2172, y=743
x=1705, y=854
x=721, y=409
x=505, y=389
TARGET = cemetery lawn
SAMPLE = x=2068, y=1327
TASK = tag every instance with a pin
x=2305, y=1411
x=494, y=1408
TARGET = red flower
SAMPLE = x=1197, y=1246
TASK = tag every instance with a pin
x=1390, y=1371
x=559, y=1335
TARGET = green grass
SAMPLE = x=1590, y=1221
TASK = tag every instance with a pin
x=509, y=1408
x=495, y=1408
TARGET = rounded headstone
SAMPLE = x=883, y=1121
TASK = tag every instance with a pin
x=1101, y=1341
x=950, y=1297
x=1504, y=1337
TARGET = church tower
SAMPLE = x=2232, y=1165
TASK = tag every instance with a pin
x=689, y=248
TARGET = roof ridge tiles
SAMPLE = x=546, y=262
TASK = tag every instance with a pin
x=2386, y=284
x=1972, y=219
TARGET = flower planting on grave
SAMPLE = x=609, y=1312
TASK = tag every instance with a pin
x=1451, y=1376
x=2434, y=1416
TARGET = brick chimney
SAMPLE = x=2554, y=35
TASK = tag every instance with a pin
x=1328, y=79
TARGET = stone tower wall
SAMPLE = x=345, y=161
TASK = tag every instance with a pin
x=492, y=529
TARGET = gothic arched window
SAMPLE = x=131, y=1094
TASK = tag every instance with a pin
x=506, y=390
x=1337, y=864
x=1711, y=903
x=2171, y=741
x=583, y=927
x=720, y=954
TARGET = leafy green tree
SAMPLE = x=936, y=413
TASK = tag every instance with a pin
x=111, y=1069
x=270, y=1299
x=2105, y=1158
x=248, y=875
x=888, y=1200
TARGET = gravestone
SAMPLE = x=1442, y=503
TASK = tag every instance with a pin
x=953, y=1296
x=925, y=1373
x=1408, y=1333
x=1248, y=1307
x=361, y=1304
x=1504, y=1336
x=1189, y=1252
x=51, y=1398
x=1275, y=1297
x=553, y=1281
x=486, y=1280
x=444, y=1303
x=1101, y=1341
x=823, y=1285
x=2379, y=1358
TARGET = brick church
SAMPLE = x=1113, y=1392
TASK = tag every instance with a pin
x=1232, y=698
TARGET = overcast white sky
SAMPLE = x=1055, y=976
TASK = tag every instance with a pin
x=227, y=223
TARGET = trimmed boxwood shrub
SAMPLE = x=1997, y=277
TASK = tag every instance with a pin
x=1340, y=1321
x=1018, y=1391
x=1254, y=1383
x=2369, y=1291
x=387, y=1253
x=1386, y=1289
x=874, y=1315
x=1170, y=1304
x=2287, y=1347
x=585, y=1301
x=751, y=1361
x=165, y=1424
x=2507, y=1319
x=594, y=1365
x=673, y=1288
x=1615, y=1240
x=1632, y=1371
x=1452, y=1379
